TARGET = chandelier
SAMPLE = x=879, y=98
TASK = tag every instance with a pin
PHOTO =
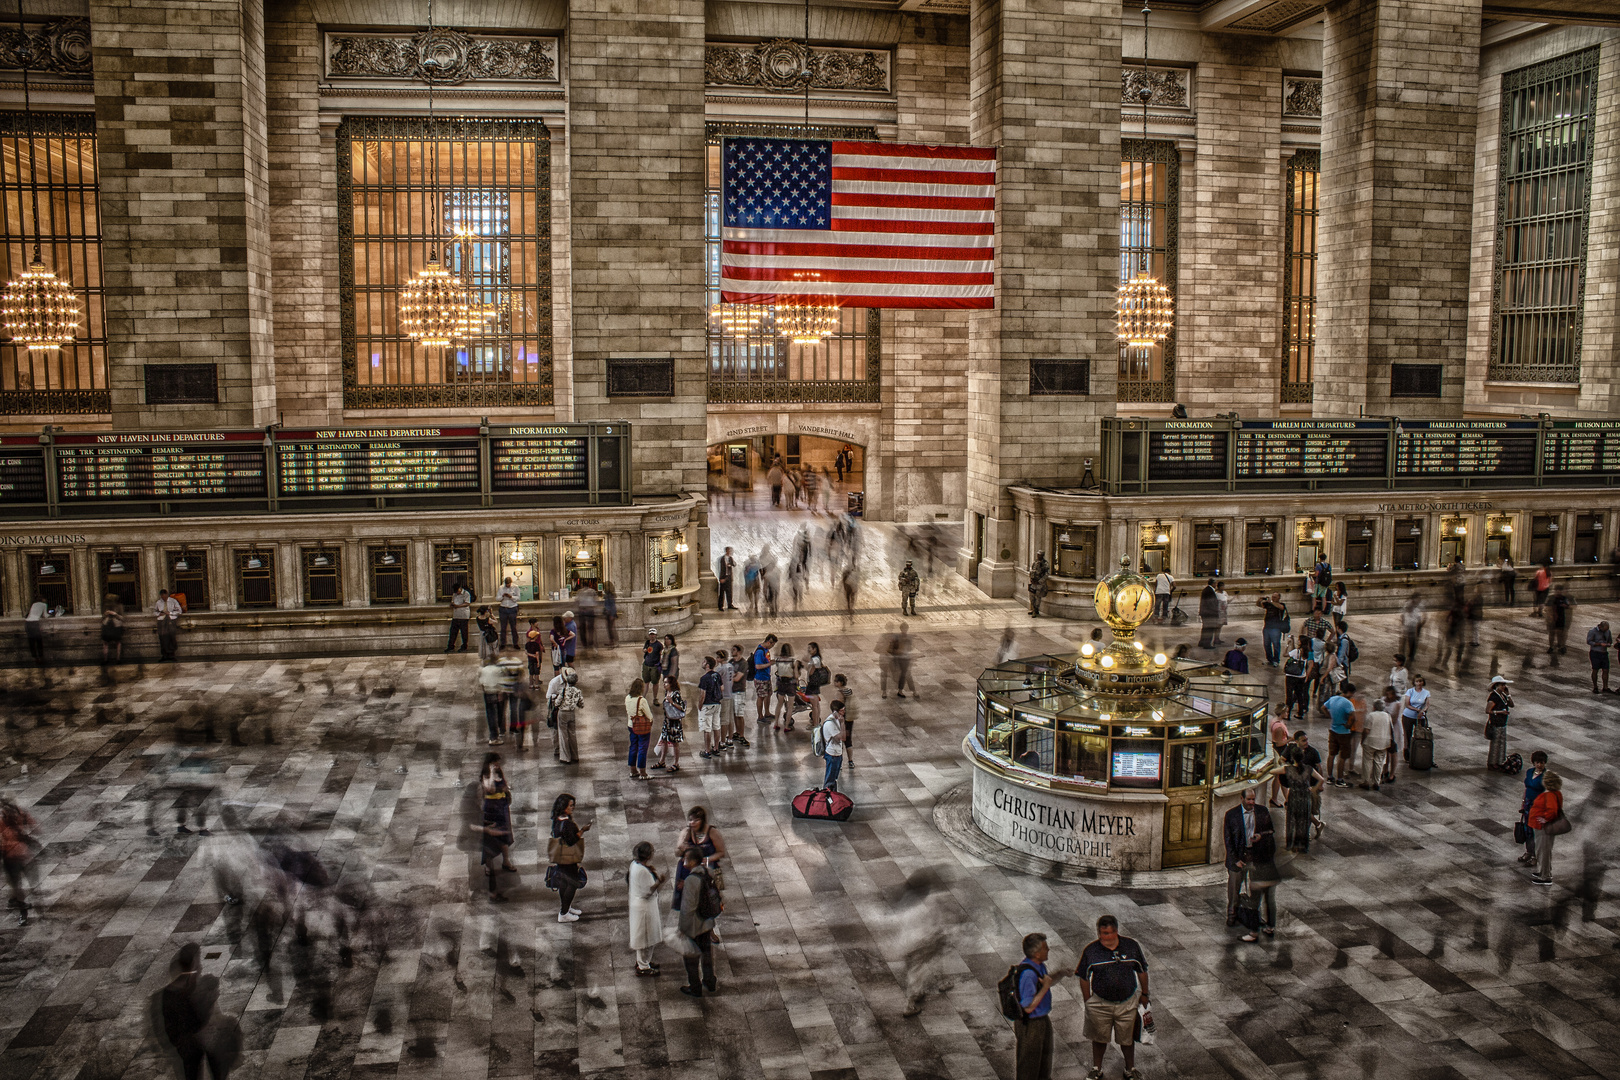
x=1143, y=306
x=433, y=308
x=40, y=311
x=738, y=320
x=808, y=318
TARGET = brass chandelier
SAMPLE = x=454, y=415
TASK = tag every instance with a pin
x=808, y=318
x=1143, y=306
x=738, y=320
x=40, y=311
x=434, y=307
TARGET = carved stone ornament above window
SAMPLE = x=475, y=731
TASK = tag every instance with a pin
x=442, y=57
x=1302, y=97
x=1169, y=86
x=57, y=48
x=783, y=65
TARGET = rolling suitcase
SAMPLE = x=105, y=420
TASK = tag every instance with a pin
x=1422, y=748
x=822, y=804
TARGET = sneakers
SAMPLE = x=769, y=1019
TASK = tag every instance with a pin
x=1094, y=1073
x=570, y=917
x=1542, y=880
x=574, y=911
x=1133, y=1074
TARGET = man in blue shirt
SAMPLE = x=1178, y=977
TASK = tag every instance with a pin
x=1034, y=1031
x=1341, y=744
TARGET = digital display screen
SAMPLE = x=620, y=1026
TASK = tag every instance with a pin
x=22, y=469
x=168, y=466
x=1311, y=449
x=332, y=464
x=1137, y=765
x=1466, y=448
x=1187, y=455
x=561, y=464
x=1575, y=447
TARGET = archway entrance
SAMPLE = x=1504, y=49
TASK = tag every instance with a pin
x=786, y=473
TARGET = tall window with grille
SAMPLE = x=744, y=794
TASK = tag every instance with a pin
x=478, y=193
x=1149, y=205
x=1299, y=275
x=756, y=363
x=1549, y=115
x=73, y=378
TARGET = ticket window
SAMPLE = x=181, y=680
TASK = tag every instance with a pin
x=1155, y=549
x=1136, y=763
x=1543, y=538
x=386, y=571
x=323, y=577
x=1209, y=549
x=255, y=579
x=1406, y=547
x=1033, y=741
x=1259, y=546
x=664, y=562
x=1074, y=551
x=452, y=566
x=52, y=582
x=582, y=562
x=1188, y=764
x=1498, y=541
x=1588, y=537
x=1309, y=543
x=1082, y=753
x=120, y=577
x=188, y=578
x=1358, y=545
x=998, y=730
x=1453, y=542
x=520, y=561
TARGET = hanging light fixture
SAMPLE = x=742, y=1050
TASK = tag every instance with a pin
x=738, y=320
x=1143, y=305
x=434, y=307
x=40, y=311
x=809, y=318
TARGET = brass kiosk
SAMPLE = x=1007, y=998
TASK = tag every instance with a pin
x=1117, y=757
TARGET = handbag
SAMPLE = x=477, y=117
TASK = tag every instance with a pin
x=1295, y=668
x=1521, y=831
x=1558, y=826
x=559, y=852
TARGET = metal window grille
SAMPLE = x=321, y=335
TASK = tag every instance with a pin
x=452, y=566
x=386, y=568
x=1415, y=380
x=50, y=578
x=478, y=192
x=760, y=365
x=1149, y=236
x=72, y=379
x=1060, y=377
x=188, y=576
x=1299, y=275
x=323, y=577
x=1544, y=186
x=255, y=579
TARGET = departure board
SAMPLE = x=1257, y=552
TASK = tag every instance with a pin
x=372, y=461
x=1575, y=447
x=1445, y=448
x=1197, y=453
x=1311, y=449
x=22, y=469
x=539, y=464
x=168, y=466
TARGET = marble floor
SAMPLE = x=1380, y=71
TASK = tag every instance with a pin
x=1410, y=944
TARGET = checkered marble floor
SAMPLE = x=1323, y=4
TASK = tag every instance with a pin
x=1410, y=943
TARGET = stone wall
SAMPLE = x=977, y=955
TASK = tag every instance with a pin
x=180, y=108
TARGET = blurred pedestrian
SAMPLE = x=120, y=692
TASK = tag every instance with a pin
x=565, y=851
x=190, y=1025
x=610, y=612
x=17, y=850
x=1560, y=606
x=910, y=585
x=167, y=616
x=1507, y=575
x=1209, y=615
x=488, y=634
x=1411, y=627
x=495, y=827
x=112, y=630
x=1542, y=584
x=646, y=922
x=639, y=719
x=34, y=628
x=903, y=656
x=559, y=643
x=1598, y=642
x=491, y=680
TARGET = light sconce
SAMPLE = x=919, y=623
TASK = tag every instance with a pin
x=1365, y=532
x=1461, y=530
x=1597, y=525
x=1316, y=534
x=388, y=558
x=1063, y=537
x=116, y=566
x=253, y=563
x=320, y=560
x=1552, y=526
x=46, y=569
x=1214, y=535
x=681, y=546
x=1504, y=528
x=1265, y=534
x=583, y=554
x=182, y=564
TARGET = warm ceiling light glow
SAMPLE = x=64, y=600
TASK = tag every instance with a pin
x=738, y=320
x=433, y=308
x=1160, y=659
x=40, y=311
x=809, y=318
x=1144, y=310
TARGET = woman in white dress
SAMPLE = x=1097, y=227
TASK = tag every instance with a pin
x=646, y=923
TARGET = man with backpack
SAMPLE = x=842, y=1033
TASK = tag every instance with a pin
x=700, y=904
x=1026, y=999
x=709, y=710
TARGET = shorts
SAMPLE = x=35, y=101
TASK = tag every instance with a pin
x=709, y=718
x=534, y=666
x=762, y=687
x=1106, y=1018
x=1600, y=659
x=1340, y=744
x=849, y=734
x=786, y=686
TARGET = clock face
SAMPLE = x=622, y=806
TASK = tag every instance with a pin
x=1101, y=599
x=1135, y=603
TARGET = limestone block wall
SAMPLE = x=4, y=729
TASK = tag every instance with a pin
x=1229, y=323
x=925, y=352
x=180, y=110
x=637, y=159
x=1399, y=120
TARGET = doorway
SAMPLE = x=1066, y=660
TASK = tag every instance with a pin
x=784, y=473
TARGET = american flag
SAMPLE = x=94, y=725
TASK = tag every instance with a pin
x=874, y=224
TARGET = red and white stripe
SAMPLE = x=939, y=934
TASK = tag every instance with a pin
x=912, y=227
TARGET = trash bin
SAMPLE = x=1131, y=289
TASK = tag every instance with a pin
x=857, y=503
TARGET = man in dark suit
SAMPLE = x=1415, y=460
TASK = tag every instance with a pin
x=1209, y=613
x=1244, y=823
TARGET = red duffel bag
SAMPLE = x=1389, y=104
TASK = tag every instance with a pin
x=822, y=804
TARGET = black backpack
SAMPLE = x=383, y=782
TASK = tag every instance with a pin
x=1007, y=991
x=710, y=903
x=1352, y=653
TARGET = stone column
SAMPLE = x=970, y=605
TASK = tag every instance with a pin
x=1400, y=81
x=221, y=578
x=637, y=159
x=180, y=120
x=1044, y=80
x=1229, y=325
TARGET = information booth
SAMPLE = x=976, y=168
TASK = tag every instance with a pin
x=1114, y=757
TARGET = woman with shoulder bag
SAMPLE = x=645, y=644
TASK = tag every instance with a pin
x=566, y=853
x=816, y=675
x=710, y=844
x=639, y=718
x=1497, y=707
x=570, y=699
x=673, y=733
x=1547, y=820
